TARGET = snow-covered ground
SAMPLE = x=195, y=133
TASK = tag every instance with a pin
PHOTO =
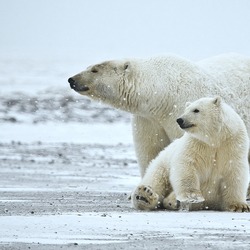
x=172, y=230
x=67, y=169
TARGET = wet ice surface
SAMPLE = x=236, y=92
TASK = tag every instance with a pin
x=63, y=195
x=67, y=167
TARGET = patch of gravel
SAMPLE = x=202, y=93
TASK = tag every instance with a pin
x=50, y=105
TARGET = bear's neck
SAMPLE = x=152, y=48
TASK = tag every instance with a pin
x=141, y=97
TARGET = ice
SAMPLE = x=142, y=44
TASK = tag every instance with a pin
x=86, y=228
x=111, y=134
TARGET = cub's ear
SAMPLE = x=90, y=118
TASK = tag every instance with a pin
x=217, y=101
x=126, y=66
x=187, y=104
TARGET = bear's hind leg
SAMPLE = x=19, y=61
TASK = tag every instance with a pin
x=234, y=185
x=234, y=198
x=154, y=186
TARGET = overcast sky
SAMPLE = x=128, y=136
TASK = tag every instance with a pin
x=96, y=30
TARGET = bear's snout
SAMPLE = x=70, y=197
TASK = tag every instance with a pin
x=76, y=86
x=72, y=83
x=184, y=124
x=180, y=121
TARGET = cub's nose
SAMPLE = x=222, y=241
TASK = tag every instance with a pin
x=180, y=121
x=72, y=83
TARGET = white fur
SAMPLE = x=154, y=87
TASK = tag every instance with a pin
x=209, y=162
x=156, y=90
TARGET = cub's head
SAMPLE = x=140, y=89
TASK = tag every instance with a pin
x=202, y=119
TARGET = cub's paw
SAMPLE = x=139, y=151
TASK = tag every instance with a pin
x=170, y=202
x=239, y=207
x=144, y=198
x=191, y=197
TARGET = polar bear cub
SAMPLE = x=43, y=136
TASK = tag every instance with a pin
x=207, y=167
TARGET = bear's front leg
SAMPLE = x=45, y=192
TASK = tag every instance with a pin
x=144, y=198
x=149, y=140
x=186, y=184
x=191, y=196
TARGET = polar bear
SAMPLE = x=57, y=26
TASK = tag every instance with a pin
x=208, y=165
x=155, y=91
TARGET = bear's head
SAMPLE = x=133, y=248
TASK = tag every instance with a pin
x=109, y=82
x=202, y=119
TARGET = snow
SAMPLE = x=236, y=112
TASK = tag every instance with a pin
x=99, y=228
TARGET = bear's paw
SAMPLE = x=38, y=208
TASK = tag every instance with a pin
x=239, y=207
x=191, y=197
x=170, y=202
x=144, y=198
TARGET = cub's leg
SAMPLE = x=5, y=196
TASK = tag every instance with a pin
x=154, y=186
x=186, y=183
x=234, y=187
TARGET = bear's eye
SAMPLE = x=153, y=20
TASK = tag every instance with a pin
x=126, y=66
x=94, y=70
x=196, y=111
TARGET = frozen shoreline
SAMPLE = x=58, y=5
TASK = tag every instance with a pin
x=63, y=195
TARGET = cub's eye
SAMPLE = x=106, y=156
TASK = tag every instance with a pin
x=94, y=70
x=196, y=111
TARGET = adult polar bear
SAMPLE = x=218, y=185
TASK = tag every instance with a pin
x=156, y=90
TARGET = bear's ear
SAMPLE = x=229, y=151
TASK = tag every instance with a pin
x=217, y=101
x=187, y=104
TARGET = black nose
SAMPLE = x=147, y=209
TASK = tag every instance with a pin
x=72, y=83
x=180, y=121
